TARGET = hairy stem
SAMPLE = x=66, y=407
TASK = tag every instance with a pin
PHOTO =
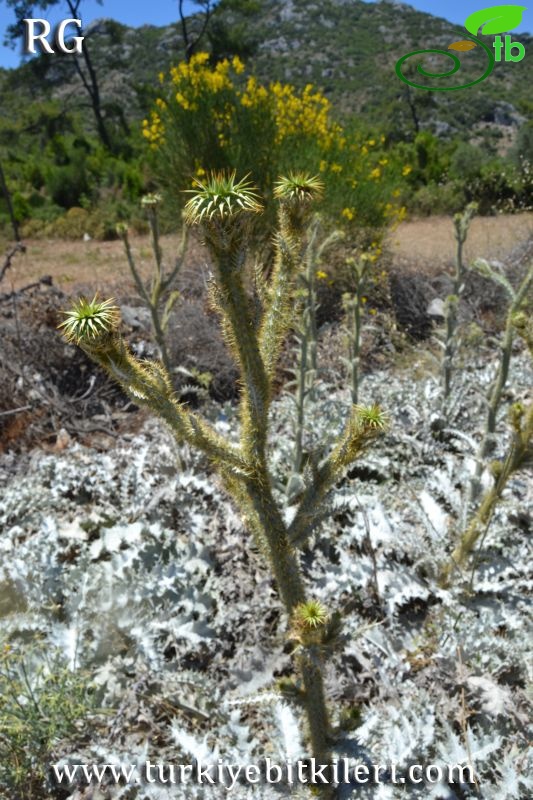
x=497, y=386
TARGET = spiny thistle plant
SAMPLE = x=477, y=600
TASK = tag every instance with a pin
x=461, y=223
x=519, y=453
x=161, y=295
x=221, y=207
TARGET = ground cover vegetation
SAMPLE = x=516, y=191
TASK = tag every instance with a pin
x=420, y=543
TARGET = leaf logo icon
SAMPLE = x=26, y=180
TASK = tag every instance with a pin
x=463, y=45
x=495, y=19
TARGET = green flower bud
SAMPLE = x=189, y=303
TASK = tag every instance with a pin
x=308, y=622
x=90, y=322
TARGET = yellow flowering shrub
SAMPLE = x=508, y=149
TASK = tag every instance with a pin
x=214, y=117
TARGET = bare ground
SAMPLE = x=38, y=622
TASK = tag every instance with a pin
x=425, y=244
x=429, y=243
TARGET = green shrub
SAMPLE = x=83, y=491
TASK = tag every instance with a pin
x=21, y=207
x=76, y=222
x=444, y=198
x=523, y=149
x=41, y=702
x=466, y=162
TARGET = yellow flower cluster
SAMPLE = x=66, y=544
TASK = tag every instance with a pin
x=190, y=81
x=295, y=113
x=198, y=75
x=254, y=95
x=373, y=253
x=153, y=129
x=307, y=113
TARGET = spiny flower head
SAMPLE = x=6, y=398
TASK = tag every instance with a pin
x=219, y=197
x=516, y=415
x=151, y=200
x=520, y=320
x=121, y=229
x=309, y=622
x=371, y=418
x=88, y=321
x=310, y=615
x=523, y=324
x=298, y=187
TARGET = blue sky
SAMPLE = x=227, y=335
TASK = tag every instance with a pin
x=163, y=12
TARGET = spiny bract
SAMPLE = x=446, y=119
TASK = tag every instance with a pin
x=220, y=196
x=310, y=615
x=88, y=320
x=298, y=186
x=371, y=417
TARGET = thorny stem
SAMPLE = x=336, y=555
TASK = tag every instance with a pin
x=354, y=341
x=256, y=346
x=301, y=392
x=308, y=335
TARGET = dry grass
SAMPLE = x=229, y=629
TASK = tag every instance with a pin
x=426, y=244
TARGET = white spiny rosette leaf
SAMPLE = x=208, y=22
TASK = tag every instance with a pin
x=495, y=699
x=482, y=744
x=187, y=524
x=438, y=520
x=193, y=747
x=290, y=747
x=451, y=747
x=401, y=731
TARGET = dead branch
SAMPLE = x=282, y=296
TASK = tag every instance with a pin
x=14, y=411
x=18, y=247
x=46, y=280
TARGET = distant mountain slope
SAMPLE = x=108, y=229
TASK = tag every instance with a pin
x=346, y=47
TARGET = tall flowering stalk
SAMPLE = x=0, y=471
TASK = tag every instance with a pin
x=161, y=294
x=354, y=302
x=306, y=329
x=461, y=224
x=517, y=300
x=520, y=450
x=223, y=209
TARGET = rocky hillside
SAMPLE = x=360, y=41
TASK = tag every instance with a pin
x=346, y=47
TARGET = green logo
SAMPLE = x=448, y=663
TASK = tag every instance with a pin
x=493, y=20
